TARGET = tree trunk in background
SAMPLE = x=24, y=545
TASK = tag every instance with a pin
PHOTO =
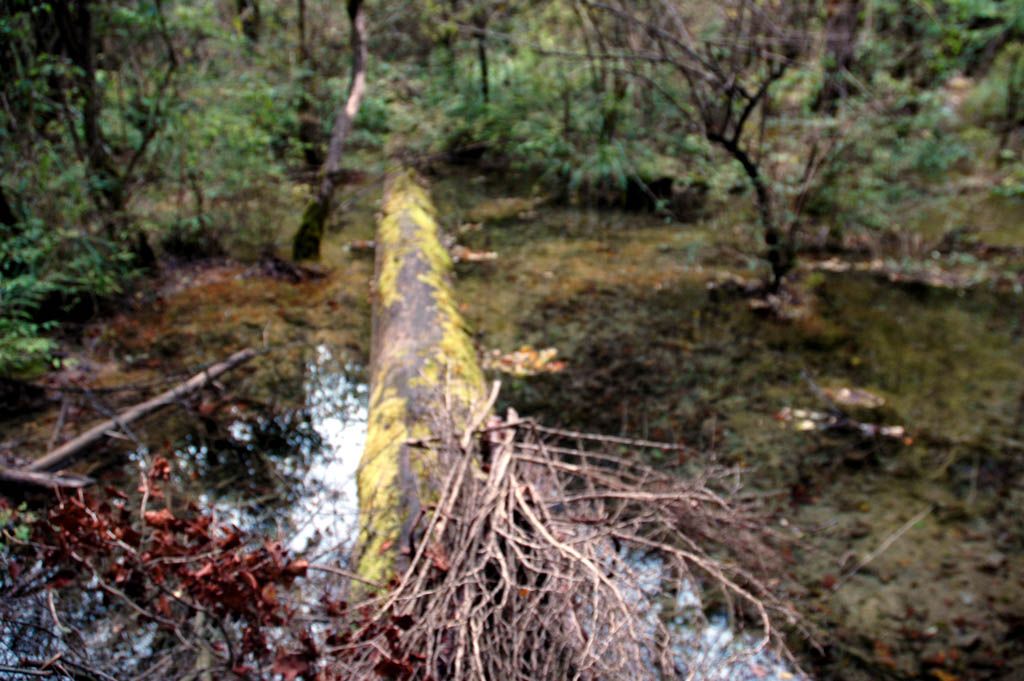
x=422, y=365
x=76, y=41
x=480, y=20
x=481, y=50
x=67, y=30
x=309, y=126
x=1014, y=98
x=840, y=50
x=7, y=216
x=311, y=229
x=249, y=18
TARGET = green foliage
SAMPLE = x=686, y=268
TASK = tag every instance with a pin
x=51, y=262
x=16, y=521
x=22, y=342
x=216, y=153
x=1012, y=184
x=552, y=122
x=931, y=41
x=992, y=100
x=15, y=524
x=230, y=137
x=48, y=271
x=373, y=122
x=887, y=159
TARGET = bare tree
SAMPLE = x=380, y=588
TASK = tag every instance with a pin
x=727, y=58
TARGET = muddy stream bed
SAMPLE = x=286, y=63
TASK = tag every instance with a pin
x=909, y=514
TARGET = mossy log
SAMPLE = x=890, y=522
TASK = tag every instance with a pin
x=422, y=365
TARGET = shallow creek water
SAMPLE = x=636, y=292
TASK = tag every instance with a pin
x=910, y=550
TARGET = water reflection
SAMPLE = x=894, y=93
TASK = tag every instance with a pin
x=706, y=648
x=283, y=465
x=325, y=516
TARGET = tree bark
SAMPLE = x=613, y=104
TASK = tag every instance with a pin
x=309, y=127
x=311, y=229
x=60, y=457
x=481, y=50
x=423, y=367
x=7, y=215
x=781, y=249
x=840, y=44
x=249, y=18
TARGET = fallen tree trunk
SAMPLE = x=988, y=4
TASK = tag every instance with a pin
x=422, y=366
x=62, y=456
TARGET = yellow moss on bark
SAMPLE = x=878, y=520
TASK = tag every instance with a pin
x=421, y=352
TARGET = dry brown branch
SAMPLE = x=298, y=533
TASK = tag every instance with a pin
x=59, y=457
x=543, y=561
x=44, y=480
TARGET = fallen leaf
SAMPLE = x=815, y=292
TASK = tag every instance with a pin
x=204, y=571
x=162, y=518
x=163, y=607
x=269, y=593
x=250, y=579
x=161, y=468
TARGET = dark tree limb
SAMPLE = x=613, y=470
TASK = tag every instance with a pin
x=59, y=458
x=307, y=240
x=45, y=480
x=7, y=216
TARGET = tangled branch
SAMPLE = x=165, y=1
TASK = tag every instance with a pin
x=545, y=554
x=541, y=560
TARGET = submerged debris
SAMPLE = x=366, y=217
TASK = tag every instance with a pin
x=362, y=246
x=813, y=419
x=463, y=254
x=854, y=397
x=506, y=208
x=925, y=273
x=526, y=361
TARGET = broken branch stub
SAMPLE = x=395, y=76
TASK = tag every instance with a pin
x=422, y=363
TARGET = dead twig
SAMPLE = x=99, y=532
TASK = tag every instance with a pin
x=889, y=541
x=61, y=456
